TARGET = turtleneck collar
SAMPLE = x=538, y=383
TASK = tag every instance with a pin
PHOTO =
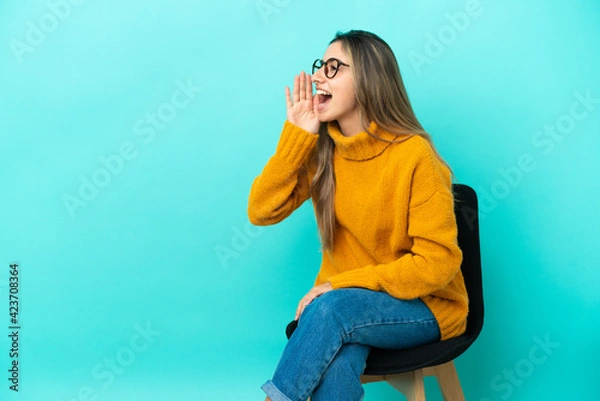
x=361, y=146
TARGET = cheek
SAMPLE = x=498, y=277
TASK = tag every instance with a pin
x=348, y=98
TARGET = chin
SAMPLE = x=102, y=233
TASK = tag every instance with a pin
x=323, y=118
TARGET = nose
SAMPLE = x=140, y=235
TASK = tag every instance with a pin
x=318, y=77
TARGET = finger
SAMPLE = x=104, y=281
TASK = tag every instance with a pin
x=298, y=311
x=299, y=308
x=303, y=303
x=296, y=89
x=309, y=87
x=288, y=99
x=302, y=85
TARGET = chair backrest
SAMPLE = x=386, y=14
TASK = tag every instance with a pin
x=467, y=220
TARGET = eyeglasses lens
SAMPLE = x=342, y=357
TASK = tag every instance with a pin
x=331, y=67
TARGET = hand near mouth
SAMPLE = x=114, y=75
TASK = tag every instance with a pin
x=302, y=112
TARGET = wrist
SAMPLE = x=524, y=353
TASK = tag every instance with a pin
x=309, y=128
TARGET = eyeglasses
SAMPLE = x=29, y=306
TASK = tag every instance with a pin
x=331, y=66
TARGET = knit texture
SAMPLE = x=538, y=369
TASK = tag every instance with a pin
x=395, y=225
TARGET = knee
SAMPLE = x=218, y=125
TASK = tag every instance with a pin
x=328, y=313
x=325, y=308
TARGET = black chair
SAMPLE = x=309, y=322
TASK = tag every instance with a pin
x=404, y=369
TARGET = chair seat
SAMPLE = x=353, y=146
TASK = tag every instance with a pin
x=387, y=362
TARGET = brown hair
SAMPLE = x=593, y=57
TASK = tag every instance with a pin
x=382, y=98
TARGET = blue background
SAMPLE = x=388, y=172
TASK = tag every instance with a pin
x=163, y=246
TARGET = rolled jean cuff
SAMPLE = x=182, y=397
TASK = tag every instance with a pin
x=273, y=392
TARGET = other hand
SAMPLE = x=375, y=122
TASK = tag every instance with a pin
x=312, y=294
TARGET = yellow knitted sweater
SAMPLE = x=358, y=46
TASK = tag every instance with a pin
x=395, y=224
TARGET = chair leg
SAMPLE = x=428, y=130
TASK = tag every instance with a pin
x=410, y=384
x=448, y=381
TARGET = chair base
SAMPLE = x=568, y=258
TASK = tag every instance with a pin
x=412, y=386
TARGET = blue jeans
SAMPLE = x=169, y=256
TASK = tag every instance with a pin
x=327, y=353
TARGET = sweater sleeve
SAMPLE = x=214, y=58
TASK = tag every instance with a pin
x=434, y=258
x=283, y=184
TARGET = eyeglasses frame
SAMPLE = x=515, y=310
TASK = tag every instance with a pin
x=324, y=63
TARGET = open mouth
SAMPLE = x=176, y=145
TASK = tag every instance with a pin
x=324, y=98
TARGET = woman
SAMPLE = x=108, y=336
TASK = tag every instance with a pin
x=390, y=274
